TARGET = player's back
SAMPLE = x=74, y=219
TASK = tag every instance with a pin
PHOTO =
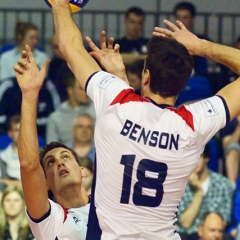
x=145, y=154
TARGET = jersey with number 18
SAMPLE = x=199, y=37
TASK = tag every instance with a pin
x=145, y=153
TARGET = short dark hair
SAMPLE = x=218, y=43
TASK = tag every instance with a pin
x=185, y=6
x=135, y=10
x=52, y=145
x=206, y=214
x=170, y=66
x=13, y=120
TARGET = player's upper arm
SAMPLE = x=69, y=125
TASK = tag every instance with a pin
x=232, y=97
x=79, y=60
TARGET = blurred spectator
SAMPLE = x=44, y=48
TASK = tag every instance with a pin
x=9, y=157
x=13, y=220
x=133, y=46
x=230, y=140
x=205, y=191
x=59, y=126
x=11, y=98
x=186, y=12
x=134, y=75
x=25, y=33
x=87, y=165
x=235, y=224
x=58, y=69
x=83, y=132
x=212, y=227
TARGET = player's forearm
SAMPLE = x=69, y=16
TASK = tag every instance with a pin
x=28, y=140
x=191, y=213
x=228, y=56
x=66, y=29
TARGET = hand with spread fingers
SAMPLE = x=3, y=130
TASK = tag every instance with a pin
x=29, y=76
x=180, y=33
x=108, y=56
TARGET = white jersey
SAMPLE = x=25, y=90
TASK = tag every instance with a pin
x=145, y=154
x=61, y=224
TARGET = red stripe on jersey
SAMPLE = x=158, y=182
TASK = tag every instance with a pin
x=128, y=95
x=65, y=213
x=185, y=115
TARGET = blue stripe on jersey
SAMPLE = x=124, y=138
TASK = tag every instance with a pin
x=93, y=229
x=226, y=108
x=86, y=84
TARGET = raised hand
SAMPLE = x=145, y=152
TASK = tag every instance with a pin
x=108, y=56
x=180, y=33
x=29, y=76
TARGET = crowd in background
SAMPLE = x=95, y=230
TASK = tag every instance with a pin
x=211, y=202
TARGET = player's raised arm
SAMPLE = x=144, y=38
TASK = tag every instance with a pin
x=30, y=80
x=71, y=42
x=228, y=56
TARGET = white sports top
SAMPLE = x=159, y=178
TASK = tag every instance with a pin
x=145, y=154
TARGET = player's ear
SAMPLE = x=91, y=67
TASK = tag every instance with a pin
x=83, y=173
x=146, y=77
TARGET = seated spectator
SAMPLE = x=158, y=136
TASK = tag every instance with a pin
x=58, y=69
x=235, y=224
x=14, y=224
x=59, y=126
x=25, y=33
x=10, y=104
x=230, y=142
x=133, y=46
x=205, y=191
x=186, y=12
x=212, y=227
x=83, y=132
x=134, y=74
x=87, y=166
x=9, y=157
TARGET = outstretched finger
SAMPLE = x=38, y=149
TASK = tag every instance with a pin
x=116, y=48
x=158, y=34
x=29, y=54
x=110, y=43
x=18, y=69
x=103, y=40
x=162, y=32
x=91, y=44
x=181, y=25
x=23, y=63
x=171, y=25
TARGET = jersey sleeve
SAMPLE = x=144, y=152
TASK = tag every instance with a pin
x=50, y=225
x=102, y=88
x=209, y=116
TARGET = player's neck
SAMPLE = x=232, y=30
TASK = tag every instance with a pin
x=160, y=100
x=71, y=198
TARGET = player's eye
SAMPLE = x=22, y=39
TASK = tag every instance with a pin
x=50, y=162
x=65, y=157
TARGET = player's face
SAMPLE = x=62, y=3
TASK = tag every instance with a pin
x=185, y=17
x=62, y=170
x=31, y=38
x=134, y=25
x=212, y=229
x=14, y=132
x=13, y=204
x=83, y=130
